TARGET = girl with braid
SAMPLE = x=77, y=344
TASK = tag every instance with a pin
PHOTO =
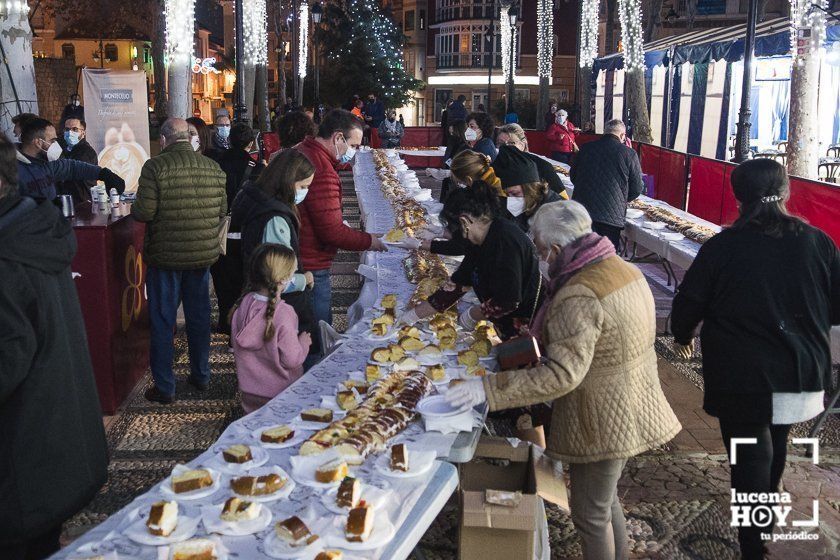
x=269, y=351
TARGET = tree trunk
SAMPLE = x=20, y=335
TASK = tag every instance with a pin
x=180, y=90
x=609, y=32
x=585, y=97
x=281, y=70
x=159, y=62
x=262, y=98
x=803, y=157
x=17, y=76
x=634, y=88
x=542, y=104
x=250, y=76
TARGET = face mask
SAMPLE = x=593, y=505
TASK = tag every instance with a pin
x=470, y=135
x=300, y=194
x=392, y=119
x=72, y=138
x=223, y=131
x=196, y=143
x=54, y=151
x=544, y=266
x=515, y=205
x=561, y=119
x=76, y=102
x=348, y=155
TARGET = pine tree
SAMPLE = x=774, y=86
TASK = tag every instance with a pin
x=363, y=48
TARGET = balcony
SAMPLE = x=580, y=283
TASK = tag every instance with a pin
x=450, y=10
x=463, y=61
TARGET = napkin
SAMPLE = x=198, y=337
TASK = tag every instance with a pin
x=463, y=422
x=424, y=195
x=367, y=271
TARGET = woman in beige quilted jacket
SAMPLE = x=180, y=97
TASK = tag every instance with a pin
x=597, y=330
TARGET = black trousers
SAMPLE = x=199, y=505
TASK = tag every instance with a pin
x=228, y=281
x=612, y=233
x=758, y=468
x=36, y=548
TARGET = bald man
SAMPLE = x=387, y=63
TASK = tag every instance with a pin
x=182, y=199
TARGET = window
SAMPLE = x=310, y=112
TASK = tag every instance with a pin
x=467, y=46
x=409, y=21
x=111, y=52
x=449, y=10
x=422, y=18
x=441, y=97
x=147, y=55
x=68, y=51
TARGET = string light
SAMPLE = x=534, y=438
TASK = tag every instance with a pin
x=506, y=30
x=630, y=15
x=254, y=33
x=303, y=38
x=180, y=31
x=11, y=7
x=807, y=26
x=545, y=37
x=589, y=32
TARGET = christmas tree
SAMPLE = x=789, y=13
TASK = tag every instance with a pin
x=363, y=48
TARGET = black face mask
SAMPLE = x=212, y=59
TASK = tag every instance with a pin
x=392, y=119
x=371, y=100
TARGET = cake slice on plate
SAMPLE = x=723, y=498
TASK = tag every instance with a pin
x=237, y=454
x=188, y=481
x=330, y=555
x=236, y=510
x=359, y=524
x=194, y=549
x=399, y=457
x=163, y=518
x=277, y=434
x=257, y=485
x=332, y=471
x=349, y=493
x=294, y=532
x=323, y=415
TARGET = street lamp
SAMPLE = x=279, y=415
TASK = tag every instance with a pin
x=240, y=109
x=317, y=13
x=512, y=16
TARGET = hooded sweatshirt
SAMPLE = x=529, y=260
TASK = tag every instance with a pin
x=53, y=453
x=266, y=368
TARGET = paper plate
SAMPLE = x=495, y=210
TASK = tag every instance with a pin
x=277, y=548
x=376, y=497
x=188, y=521
x=259, y=454
x=213, y=524
x=166, y=487
x=654, y=225
x=296, y=439
x=635, y=214
x=672, y=236
x=437, y=407
x=382, y=533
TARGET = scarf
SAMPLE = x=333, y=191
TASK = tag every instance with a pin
x=391, y=127
x=583, y=251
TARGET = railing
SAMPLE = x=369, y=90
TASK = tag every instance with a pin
x=467, y=60
x=466, y=11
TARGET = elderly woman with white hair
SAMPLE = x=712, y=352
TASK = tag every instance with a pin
x=597, y=328
x=514, y=135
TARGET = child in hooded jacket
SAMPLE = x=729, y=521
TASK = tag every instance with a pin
x=268, y=349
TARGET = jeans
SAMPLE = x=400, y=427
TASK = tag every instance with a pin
x=322, y=297
x=596, y=511
x=759, y=468
x=36, y=548
x=612, y=233
x=166, y=290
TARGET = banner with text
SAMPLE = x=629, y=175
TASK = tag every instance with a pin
x=117, y=116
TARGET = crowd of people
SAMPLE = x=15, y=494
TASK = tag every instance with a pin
x=261, y=214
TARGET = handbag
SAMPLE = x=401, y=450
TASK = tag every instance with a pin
x=523, y=350
x=224, y=226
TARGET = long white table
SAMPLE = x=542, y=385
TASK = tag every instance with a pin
x=415, y=502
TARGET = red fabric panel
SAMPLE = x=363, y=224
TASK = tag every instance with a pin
x=537, y=142
x=650, y=157
x=415, y=136
x=729, y=205
x=818, y=203
x=583, y=138
x=670, y=184
x=375, y=142
x=708, y=177
x=435, y=136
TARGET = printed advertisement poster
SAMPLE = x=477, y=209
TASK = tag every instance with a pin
x=117, y=116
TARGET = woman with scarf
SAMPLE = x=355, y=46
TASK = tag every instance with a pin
x=597, y=327
x=561, y=137
x=391, y=130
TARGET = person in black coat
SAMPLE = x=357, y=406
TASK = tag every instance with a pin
x=607, y=175
x=457, y=111
x=525, y=191
x=767, y=291
x=75, y=146
x=237, y=162
x=500, y=265
x=53, y=452
x=514, y=135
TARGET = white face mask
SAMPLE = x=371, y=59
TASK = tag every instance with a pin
x=470, y=135
x=561, y=119
x=196, y=143
x=300, y=194
x=515, y=205
x=54, y=151
x=544, y=266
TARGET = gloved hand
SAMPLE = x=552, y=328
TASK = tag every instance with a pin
x=111, y=179
x=409, y=317
x=467, y=320
x=467, y=393
x=409, y=243
x=684, y=352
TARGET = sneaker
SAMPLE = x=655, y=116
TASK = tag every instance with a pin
x=154, y=395
x=198, y=385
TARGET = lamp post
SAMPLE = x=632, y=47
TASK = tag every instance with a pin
x=240, y=109
x=317, y=13
x=492, y=55
x=742, y=136
x=512, y=15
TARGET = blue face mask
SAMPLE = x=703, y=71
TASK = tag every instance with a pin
x=300, y=194
x=223, y=131
x=348, y=155
x=71, y=138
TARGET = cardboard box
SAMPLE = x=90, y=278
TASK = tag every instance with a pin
x=489, y=531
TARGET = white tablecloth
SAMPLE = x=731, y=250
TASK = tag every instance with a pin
x=423, y=153
x=409, y=513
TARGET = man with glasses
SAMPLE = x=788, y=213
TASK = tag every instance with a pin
x=75, y=147
x=39, y=166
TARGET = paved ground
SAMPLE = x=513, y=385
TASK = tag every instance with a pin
x=675, y=499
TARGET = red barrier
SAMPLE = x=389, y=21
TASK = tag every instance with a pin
x=818, y=203
x=668, y=170
x=585, y=138
x=709, y=178
x=537, y=142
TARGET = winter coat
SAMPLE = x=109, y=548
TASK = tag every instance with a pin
x=235, y=164
x=547, y=174
x=322, y=229
x=79, y=189
x=53, y=452
x=376, y=112
x=265, y=368
x=607, y=175
x=561, y=138
x=37, y=177
x=600, y=370
x=182, y=198
x=767, y=306
x=389, y=139
x=456, y=112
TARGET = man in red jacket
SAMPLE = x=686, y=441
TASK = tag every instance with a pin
x=322, y=228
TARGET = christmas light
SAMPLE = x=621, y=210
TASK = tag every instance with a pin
x=630, y=15
x=303, y=38
x=508, y=53
x=807, y=28
x=180, y=30
x=545, y=37
x=589, y=32
x=254, y=32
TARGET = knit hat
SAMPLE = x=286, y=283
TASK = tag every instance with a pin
x=513, y=168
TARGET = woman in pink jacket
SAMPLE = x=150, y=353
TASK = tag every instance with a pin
x=561, y=137
x=269, y=351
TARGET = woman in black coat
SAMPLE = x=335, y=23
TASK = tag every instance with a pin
x=767, y=291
